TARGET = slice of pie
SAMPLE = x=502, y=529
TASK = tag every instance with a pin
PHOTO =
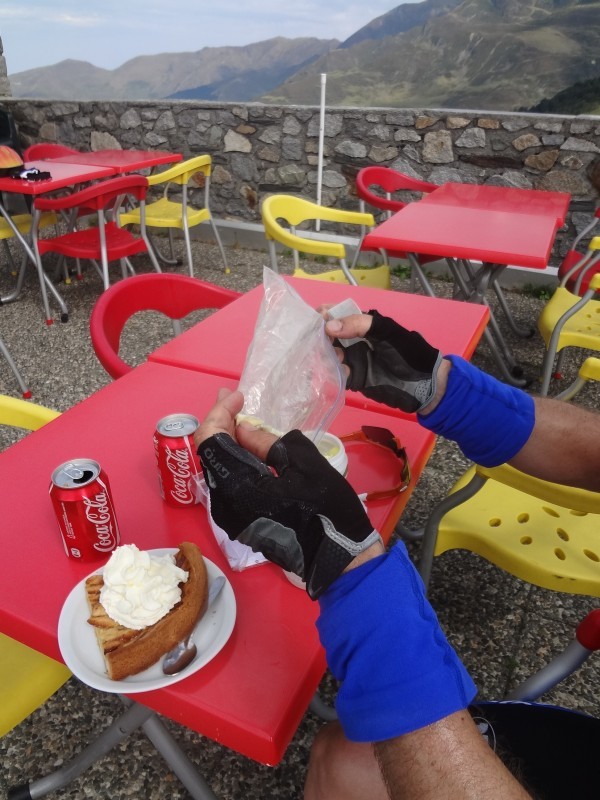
x=127, y=651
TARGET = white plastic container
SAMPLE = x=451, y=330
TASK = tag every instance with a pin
x=334, y=451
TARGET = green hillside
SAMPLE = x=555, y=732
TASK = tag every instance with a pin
x=582, y=97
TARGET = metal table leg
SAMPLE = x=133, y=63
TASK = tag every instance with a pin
x=45, y=282
x=22, y=385
x=134, y=717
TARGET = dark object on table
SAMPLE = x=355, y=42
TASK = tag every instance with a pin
x=32, y=174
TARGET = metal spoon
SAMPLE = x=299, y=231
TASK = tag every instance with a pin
x=185, y=652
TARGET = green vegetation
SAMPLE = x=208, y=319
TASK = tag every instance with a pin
x=582, y=97
x=544, y=292
x=401, y=270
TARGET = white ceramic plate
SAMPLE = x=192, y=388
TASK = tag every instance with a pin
x=80, y=651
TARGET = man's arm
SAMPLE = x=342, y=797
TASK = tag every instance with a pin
x=546, y=438
x=402, y=685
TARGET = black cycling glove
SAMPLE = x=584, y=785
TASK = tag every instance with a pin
x=304, y=516
x=393, y=365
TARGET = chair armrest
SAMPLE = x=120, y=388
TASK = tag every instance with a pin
x=565, y=496
x=181, y=172
x=315, y=247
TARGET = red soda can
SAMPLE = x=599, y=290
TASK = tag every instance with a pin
x=83, y=505
x=176, y=459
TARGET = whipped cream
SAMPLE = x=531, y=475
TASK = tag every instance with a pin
x=140, y=588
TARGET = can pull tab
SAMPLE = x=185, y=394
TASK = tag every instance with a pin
x=174, y=426
x=78, y=475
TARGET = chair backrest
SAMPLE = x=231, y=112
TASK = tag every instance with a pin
x=98, y=196
x=182, y=171
x=389, y=181
x=296, y=210
x=22, y=414
x=48, y=150
x=175, y=296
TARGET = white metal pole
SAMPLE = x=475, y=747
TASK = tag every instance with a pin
x=321, y=143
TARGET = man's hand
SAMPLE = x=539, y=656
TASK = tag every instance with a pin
x=392, y=365
x=293, y=506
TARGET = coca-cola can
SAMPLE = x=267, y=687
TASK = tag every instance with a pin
x=80, y=494
x=176, y=459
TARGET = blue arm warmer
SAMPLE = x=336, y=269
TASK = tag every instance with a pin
x=489, y=420
x=384, y=643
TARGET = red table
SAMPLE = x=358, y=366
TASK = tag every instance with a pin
x=121, y=161
x=501, y=198
x=252, y=696
x=494, y=225
x=218, y=345
x=62, y=176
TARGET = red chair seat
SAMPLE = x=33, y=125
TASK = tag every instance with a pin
x=86, y=243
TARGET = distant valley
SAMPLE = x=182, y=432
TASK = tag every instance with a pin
x=487, y=54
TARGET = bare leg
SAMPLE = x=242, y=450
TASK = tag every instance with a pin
x=342, y=770
x=448, y=760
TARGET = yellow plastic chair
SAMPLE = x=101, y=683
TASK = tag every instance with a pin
x=541, y=532
x=23, y=225
x=297, y=210
x=27, y=678
x=171, y=214
x=568, y=320
x=375, y=277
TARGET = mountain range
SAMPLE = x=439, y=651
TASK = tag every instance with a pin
x=488, y=54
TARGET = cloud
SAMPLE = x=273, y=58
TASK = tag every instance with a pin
x=37, y=33
x=41, y=14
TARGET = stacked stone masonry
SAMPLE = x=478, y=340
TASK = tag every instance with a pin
x=260, y=149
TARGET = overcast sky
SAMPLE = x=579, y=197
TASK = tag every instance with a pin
x=37, y=33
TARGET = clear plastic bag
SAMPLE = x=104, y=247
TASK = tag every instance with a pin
x=292, y=378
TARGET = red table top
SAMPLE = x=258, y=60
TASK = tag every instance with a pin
x=121, y=160
x=252, y=696
x=62, y=175
x=481, y=223
x=448, y=231
x=219, y=343
x=501, y=198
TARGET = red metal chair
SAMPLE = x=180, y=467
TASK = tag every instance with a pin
x=377, y=186
x=579, y=268
x=47, y=150
x=173, y=295
x=105, y=241
x=389, y=182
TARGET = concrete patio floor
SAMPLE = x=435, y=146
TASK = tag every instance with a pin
x=502, y=628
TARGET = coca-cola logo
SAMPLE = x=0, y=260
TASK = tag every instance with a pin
x=99, y=513
x=178, y=464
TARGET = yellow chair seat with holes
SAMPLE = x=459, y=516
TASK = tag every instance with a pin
x=165, y=213
x=374, y=277
x=27, y=679
x=539, y=541
x=581, y=330
x=594, y=244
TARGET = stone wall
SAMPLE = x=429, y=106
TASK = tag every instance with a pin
x=259, y=149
